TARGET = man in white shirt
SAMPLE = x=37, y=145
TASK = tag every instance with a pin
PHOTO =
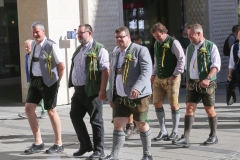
x=202, y=64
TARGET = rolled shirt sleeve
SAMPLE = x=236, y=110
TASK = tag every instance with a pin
x=231, y=60
x=179, y=53
x=103, y=58
x=154, y=66
x=215, y=58
x=57, y=54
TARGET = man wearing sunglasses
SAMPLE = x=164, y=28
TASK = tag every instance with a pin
x=129, y=91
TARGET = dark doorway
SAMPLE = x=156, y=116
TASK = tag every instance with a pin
x=9, y=40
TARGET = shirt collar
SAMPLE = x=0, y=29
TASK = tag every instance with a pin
x=88, y=44
x=41, y=44
x=125, y=50
x=198, y=45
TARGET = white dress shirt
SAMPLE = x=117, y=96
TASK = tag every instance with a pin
x=119, y=82
x=36, y=70
x=215, y=60
x=231, y=59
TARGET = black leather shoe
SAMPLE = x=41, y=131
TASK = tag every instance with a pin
x=160, y=137
x=173, y=136
x=55, y=149
x=181, y=142
x=146, y=157
x=97, y=155
x=34, y=148
x=82, y=151
x=109, y=157
x=211, y=140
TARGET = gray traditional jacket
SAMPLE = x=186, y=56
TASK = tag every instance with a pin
x=139, y=71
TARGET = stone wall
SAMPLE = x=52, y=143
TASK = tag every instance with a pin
x=217, y=18
x=104, y=16
x=58, y=16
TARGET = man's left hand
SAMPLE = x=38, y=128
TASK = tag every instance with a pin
x=102, y=95
x=172, y=78
x=134, y=94
x=205, y=83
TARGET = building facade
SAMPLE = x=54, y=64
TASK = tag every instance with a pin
x=60, y=16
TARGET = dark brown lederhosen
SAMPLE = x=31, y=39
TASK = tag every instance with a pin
x=195, y=93
x=124, y=106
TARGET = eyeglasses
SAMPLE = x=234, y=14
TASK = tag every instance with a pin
x=80, y=33
x=121, y=37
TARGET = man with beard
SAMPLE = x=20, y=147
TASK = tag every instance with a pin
x=89, y=75
x=129, y=91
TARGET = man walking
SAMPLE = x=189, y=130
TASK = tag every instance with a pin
x=89, y=75
x=129, y=91
x=169, y=64
x=46, y=68
x=203, y=62
x=28, y=48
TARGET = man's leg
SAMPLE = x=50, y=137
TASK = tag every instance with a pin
x=118, y=135
x=173, y=94
x=159, y=94
x=212, y=120
x=189, y=119
x=160, y=113
x=95, y=112
x=145, y=135
x=77, y=113
x=188, y=122
x=33, y=122
x=56, y=125
x=208, y=102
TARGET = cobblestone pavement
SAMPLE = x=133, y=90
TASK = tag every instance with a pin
x=16, y=136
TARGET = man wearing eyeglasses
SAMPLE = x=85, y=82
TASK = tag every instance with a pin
x=129, y=91
x=89, y=75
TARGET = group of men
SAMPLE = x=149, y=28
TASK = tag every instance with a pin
x=126, y=78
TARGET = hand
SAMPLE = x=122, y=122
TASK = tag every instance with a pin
x=111, y=104
x=172, y=78
x=102, y=95
x=134, y=94
x=229, y=78
x=205, y=83
x=152, y=79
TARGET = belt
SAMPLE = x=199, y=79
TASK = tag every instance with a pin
x=78, y=87
x=35, y=59
x=36, y=77
x=195, y=80
x=119, y=71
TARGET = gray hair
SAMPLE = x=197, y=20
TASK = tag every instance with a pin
x=87, y=28
x=123, y=28
x=28, y=41
x=39, y=24
x=196, y=27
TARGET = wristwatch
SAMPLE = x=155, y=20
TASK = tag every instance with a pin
x=209, y=78
x=174, y=76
